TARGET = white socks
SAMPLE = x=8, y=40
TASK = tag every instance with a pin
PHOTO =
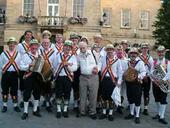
x=65, y=108
x=132, y=107
x=104, y=111
x=35, y=105
x=137, y=109
x=162, y=110
x=145, y=107
x=58, y=108
x=110, y=111
x=5, y=104
x=25, y=107
x=15, y=104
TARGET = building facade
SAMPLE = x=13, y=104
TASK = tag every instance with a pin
x=114, y=19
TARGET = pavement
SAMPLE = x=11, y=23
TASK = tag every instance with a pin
x=12, y=119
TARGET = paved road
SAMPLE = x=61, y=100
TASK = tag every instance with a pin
x=13, y=120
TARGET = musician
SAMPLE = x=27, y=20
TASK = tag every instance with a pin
x=146, y=84
x=59, y=43
x=111, y=72
x=74, y=37
x=159, y=95
x=48, y=54
x=64, y=65
x=9, y=61
x=31, y=82
x=134, y=88
x=22, y=48
x=89, y=80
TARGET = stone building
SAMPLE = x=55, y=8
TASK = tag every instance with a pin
x=114, y=19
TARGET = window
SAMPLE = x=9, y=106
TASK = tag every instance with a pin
x=78, y=7
x=106, y=17
x=144, y=20
x=28, y=7
x=125, y=18
x=2, y=16
x=53, y=1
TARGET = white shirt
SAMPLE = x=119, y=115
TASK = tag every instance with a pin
x=26, y=60
x=150, y=62
x=87, y=62
x=124, y=62
x=4, y=60
x=21, y=49
x=57, y=61
x=116, y=69
x=140, y=67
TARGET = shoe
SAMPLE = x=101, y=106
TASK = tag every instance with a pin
x=30, y=104
x=65, y=114
x=156, y=117
x=102, y=116
x=4, y=109
x=58, y=115
x=24, y=116
x=37, y=114
x=21, y=104
x=119, y=110
x=163, y=121
x=93, y=116
x=17, y=109
x=128, y=117
x=48, y=109
x=110, y=118
x=98, y=110
x=145, y=112
x=137, y=120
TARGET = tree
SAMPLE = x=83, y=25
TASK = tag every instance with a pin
x=162, y=25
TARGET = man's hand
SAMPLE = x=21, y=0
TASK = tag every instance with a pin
x=95, y=71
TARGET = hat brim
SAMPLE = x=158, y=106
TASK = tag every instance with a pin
x=12, y=42
x=109, y=48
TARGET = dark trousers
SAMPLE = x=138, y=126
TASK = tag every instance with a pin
x=159, y=95
x=21, y=85
x=134, y=92
x=107, y=87
x=63, y=87
x=75, y=84
x=146, y=85
x=31, y=86
x=9, y=84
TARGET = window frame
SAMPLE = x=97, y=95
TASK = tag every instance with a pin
x=147, y=20
x=122, y=18
x=33, y=8
x=82, y=11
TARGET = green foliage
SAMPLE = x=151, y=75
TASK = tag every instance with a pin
x=162, y=25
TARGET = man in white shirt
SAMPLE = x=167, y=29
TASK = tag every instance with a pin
x=64, y=65
x=134, y=88
x=89, y=80
x=111, y=76
x=159, y=95
x=31, y=82
x=146, y=85
x=9, y=62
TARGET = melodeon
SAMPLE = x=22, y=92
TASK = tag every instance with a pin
x=131, y=74
x=42, y=67
x=158, y=75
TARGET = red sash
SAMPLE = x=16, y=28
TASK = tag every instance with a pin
x=47, y=55
x=145, y=60
x=59, y=48
x=11, y=61
x=108, y=69
x=74, y=51
x=64, y=60
x=164, y=65
x=25, y=46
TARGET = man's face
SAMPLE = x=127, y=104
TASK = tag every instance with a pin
x=145, y=50
x=46, y=43
x=133, y=55
x=97, y=40
x=110, y=51
x=119, y=53
x=67, y=49
x=75, y=40
x=59, y=39
x=161, y=54
x=34, y=48
x=83, y=48
x=11, y=46
x=28, y=36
